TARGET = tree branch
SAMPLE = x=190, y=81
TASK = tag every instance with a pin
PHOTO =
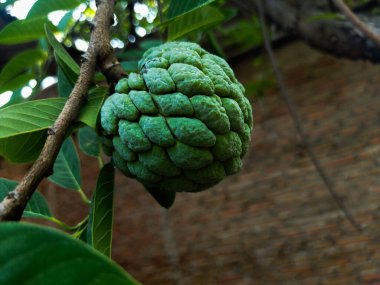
x=99, y=53
x=293, y=110
x=357, y=22
x=338, y=37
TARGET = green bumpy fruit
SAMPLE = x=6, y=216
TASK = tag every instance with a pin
x=182, y=124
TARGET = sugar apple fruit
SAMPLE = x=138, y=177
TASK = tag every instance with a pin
x=181, y=124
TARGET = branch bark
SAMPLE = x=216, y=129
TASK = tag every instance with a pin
x=99, y=53
x=293, y=110
x=357, y=22
x=338, y=37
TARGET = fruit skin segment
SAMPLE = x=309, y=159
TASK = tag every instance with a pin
x=182, y=124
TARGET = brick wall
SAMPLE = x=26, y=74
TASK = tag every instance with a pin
x=275, y=222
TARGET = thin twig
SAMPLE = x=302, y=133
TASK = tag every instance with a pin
x=293, y=110
x=99, y=53
x=362, y=27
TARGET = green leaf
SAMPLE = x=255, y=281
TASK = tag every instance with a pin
x=131, y=55
x=36, y=255
x=130, y=66
x=16, y=82
x=89, y=141
x=44, y=7
x=22, y=31
x=29, y=117
x=65, y=23
x=89, y=114
x=20, y=63
x=195, y=20
x=65, y=86
x=99, y=78
x=181, y=7
x=229, y=12
x=65, y=61
x=242, y=35
x=164, y=198
x=99, y=230
x=36, y=207
x=70, y=74
x=23, y=148
x=147, y=44
x=66, y=169
x=23, y=126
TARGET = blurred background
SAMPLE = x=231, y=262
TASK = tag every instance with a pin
x=274, y=222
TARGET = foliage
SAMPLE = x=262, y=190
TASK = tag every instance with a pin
x=25, y=122
x=64, y=259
